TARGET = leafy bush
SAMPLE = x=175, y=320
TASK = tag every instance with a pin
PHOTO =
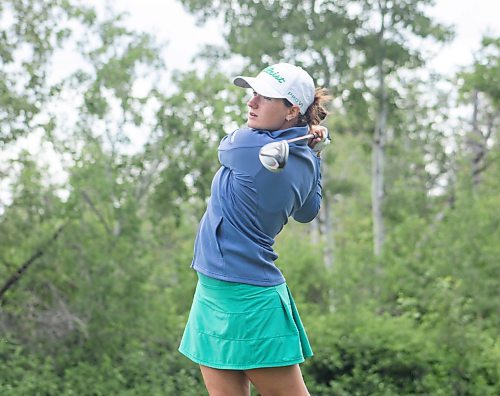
x=362, y=353
x=134, y=373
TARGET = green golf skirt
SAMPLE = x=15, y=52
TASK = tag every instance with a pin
x=239, y=327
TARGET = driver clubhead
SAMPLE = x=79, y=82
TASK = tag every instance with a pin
x=274, y=155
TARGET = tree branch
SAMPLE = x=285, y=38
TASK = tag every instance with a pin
x=87, y=199
x=22, y=269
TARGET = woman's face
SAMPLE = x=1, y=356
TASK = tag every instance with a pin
x=268, y=113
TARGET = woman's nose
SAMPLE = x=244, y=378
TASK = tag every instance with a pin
x=252, y=102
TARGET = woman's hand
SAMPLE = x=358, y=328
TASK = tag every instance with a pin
x=322, y=138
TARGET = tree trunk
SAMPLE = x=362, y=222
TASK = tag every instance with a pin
x=322, y=226
x=327, y=234
x=322, y=231
x=378, y=151
x=477, y=144
x=378, y=182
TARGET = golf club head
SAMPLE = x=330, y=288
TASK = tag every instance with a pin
x=274, y=155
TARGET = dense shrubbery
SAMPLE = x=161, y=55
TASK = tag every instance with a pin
x=134, y=373
x=363, y=353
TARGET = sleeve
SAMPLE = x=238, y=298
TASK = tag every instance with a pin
x=309, y=210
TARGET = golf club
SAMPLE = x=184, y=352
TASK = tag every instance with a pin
x=275, y=155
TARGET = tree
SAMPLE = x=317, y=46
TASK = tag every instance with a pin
x=479, y=85
x=384, y=44
x=188, y=128
x=28, y=40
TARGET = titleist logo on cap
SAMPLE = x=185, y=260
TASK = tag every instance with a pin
x=274, y=74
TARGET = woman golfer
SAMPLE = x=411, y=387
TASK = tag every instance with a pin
x=244, y=326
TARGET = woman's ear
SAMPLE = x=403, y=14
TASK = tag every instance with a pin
x=292, y=112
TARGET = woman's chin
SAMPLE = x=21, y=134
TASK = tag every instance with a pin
x=252, y=124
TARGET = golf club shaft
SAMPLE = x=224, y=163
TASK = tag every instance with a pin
x=308, y=136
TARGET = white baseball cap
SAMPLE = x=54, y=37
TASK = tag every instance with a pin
x=282, y=80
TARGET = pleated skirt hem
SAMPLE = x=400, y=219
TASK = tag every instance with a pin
x=241, y=366
x=241, y=327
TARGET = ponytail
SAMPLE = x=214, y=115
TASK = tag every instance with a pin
x=317, y=111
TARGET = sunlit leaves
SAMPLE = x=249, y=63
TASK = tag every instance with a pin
x=32, y=30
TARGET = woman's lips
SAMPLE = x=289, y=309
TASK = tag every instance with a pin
x=252, y=115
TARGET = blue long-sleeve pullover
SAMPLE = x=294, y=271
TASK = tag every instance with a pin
x=249, y=205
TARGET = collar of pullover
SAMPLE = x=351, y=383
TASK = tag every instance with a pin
x=289, y=133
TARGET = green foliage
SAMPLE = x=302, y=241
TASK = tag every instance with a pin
x=359, y=352
x=189, y=127
x=301, y=261
x=96, y=314
x=484, y=75
x=134, y=373
x=31, y=32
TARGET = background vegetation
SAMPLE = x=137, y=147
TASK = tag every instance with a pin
x=396, y=281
